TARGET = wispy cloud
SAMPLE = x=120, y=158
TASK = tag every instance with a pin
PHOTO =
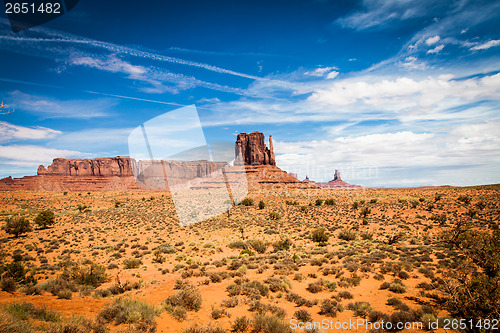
x=10, y=132
x=47, y=107
x=379, y=13
x=487, y=45
x=34, y=155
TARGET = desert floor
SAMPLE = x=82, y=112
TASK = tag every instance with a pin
x=224, y=256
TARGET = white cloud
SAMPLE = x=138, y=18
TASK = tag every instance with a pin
x=53, y=108
x=436, y=50
x=10, y=132
x=432, y=40
x=474, y=145
x=332, y=75
x=36, y=154
x=322, y=71
x=487, y=45
x=404, y=95
x=111, y=64
x=378, y=13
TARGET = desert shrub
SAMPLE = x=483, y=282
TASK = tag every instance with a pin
x=263, y=323
x=366, y=235
x=219, y=313
x=330, y=202
x=188, y=297
x=472, y=286
x=258, y=245
x=17, y=226
x=347, y=235
x=167, y=248
x=374, y=316
x=65, y=294
x=127, y=311
x=230, y=302
x=158, y=258
x=274, y=216
x=247, y=202
x=278, y=284
x=355, y=205
x=330, y=308
x=302, y=315
x=319, y=235
x=17, y=272
x=55, y=285
x=12, y=325
x=25, y=311
x=262, y=204
x=283, y=244
x=360, y=309
x=179, y=313
x=403, y=275
x=240, y=325
x=315, y=287
x=8, y=284
x=45, y=218
x=318, y=202
x=204, y=329
x=132, y=263
x=465, y=199
x=397, y=288
x=385, y=285
x=237, y=245
x=365, y=211
x=345, y=294
x=90, y=274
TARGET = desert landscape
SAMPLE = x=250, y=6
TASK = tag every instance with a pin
x=289, y=255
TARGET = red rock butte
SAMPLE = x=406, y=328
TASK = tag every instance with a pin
x=116, y=173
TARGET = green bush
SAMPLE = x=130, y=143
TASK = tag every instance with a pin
x=360, y=309
x=258, y=245
x=247, y=202
x=188, y=297
x=319, y=202
x=330, y=202
x=319, y=235
x=17, y=226
x=240, y=325
x=45, y=218
x=262, y=205
x=476, y=279
x=132, y=263
x=89, y=274
x=128, y=311
x=263, y=323
x=330, y=308
x=274, y=216
x=347, y=235
x=397, y=288
x=283, y=244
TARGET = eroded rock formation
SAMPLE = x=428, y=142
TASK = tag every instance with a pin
x=253, y=149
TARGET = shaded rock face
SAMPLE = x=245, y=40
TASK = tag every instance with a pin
x=336, y=176
x=118, y=166
x=253, y=149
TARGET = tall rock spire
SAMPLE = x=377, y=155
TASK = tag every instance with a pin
x=253, y=150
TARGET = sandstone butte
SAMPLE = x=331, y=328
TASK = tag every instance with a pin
x=116, y=173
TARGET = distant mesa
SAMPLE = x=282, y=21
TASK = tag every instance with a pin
x=336, y=183
x=116, y=173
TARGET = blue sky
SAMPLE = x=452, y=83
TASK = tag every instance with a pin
x=391, y=93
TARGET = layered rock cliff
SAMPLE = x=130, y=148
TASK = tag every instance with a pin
x=118, y=166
